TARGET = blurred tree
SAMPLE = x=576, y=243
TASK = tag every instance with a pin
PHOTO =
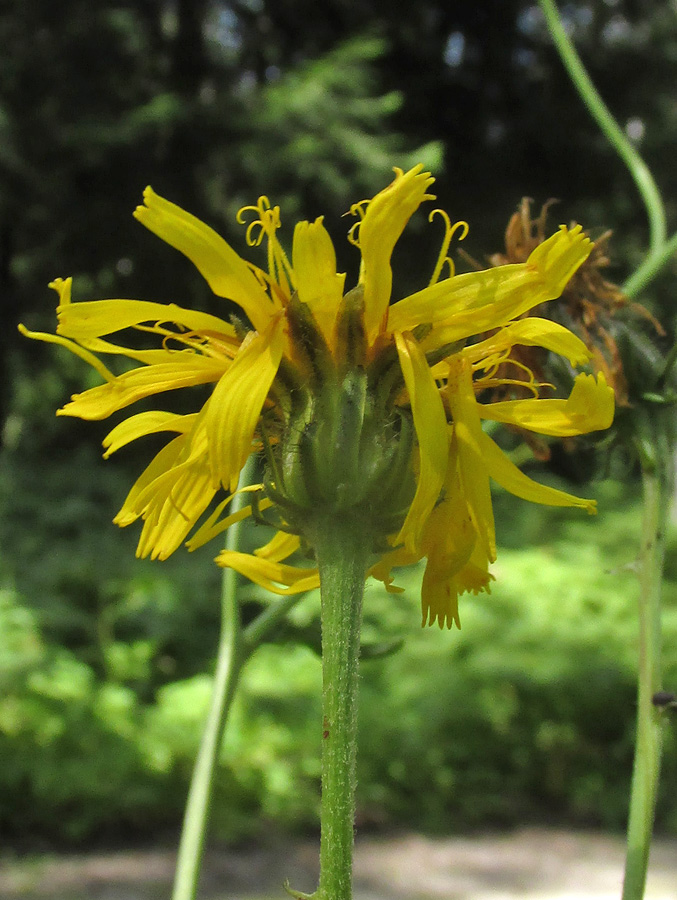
x=97, y=101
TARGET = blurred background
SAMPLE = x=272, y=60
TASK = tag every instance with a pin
x=527, y=714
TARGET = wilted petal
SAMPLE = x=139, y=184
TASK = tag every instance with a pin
x=475, y=577
x=393, y=559
x=449, y=539
x=439, y=597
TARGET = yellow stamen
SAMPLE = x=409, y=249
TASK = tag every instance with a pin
x=449, y=231
x=268, y=221
x=72, y=346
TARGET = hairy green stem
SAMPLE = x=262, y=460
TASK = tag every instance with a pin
x=638, y=169
x=657, y=482
x=341, y=549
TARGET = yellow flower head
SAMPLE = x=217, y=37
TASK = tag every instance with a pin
x=365, y=409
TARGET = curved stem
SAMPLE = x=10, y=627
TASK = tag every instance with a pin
x=638, y=169
x=229, y=662
x=656, y=481
x=341, y=550
x=650, y=267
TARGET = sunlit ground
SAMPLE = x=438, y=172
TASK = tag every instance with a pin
x=529, y=864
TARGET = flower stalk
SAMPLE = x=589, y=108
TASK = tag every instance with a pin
x=341, y=549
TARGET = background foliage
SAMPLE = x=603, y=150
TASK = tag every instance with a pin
x=104, y=660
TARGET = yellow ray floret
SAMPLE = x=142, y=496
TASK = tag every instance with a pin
x=187, y=370
x=318, y=284
x=530, y=332
x=479, y=301
x=431, y=428
x=273, y=576
x=512, y=479
x=590, y=407
x=226, y=273
x=143, y=424
x=474, y=478
x=380, y=229
x=234, y=408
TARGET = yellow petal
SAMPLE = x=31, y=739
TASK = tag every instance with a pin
x=178, y=500
x=591, y=402
x=450, y=534
x=531, y=332
x=235, y=406
x=560, y=256
x=143, y=424
x=449, y=540
x=506, y=473
x=74, y=348
x=161, y=463
x=214, y=526
x=472, y=468
x=475, y=577
x=479, y=301
x=279, y=547
x=394, y=558
x=590, y=407
x=187, y=370
x=430, y=424
x=439, y=598
x=269, y=574
x=94, y=318
x=227, y=274
x=171, y=494
x=63, y=288
x=440, y=588
x=383, y=223
x=318, y=285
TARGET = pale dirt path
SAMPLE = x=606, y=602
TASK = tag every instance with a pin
x=533, y=864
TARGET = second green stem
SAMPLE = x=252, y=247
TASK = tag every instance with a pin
x=656, y=482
